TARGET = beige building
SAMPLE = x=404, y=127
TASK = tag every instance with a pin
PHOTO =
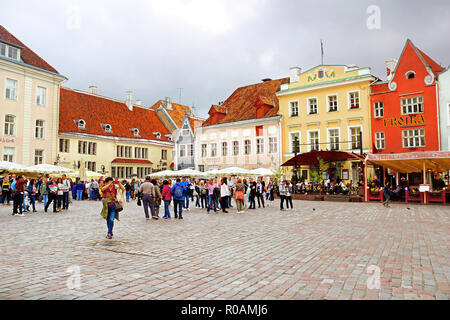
x=244, y=131
x=122, y=139
x=29, y=99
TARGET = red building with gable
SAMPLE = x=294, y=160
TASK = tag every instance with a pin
x=404, y=109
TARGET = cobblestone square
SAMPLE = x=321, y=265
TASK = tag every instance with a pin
x=320, y=250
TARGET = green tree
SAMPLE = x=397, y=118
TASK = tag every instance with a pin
x=317, y=175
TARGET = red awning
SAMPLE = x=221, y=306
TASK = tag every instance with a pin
x=132, y=161
x=311, y=158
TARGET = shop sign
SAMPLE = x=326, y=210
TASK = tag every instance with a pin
x=405, y=121
x=7, y=140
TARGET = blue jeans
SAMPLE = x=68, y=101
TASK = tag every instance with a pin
x=178, y=205
x=110, y=218
x=79, y=194
x=66, y=200
x=45, y=197
x=166, y=209
x=212, y=204
x=33, y=202
x=128, y=196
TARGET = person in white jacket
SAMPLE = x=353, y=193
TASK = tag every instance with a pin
x=224, y=194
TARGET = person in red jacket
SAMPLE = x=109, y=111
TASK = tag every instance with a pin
x=167, y=197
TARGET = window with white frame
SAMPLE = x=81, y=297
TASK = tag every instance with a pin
x=292, y=139
x=235, y=148
x=163, y=154
x=273, y=145
x=332, y=103
x=190, y=150
x=413, y=138
x=412, y=105
x=355, y=137
x=213, y=149
x=353, y=100
x=38, y=156
x=259, y=145
x=10, y=125
x=333, y=138
x=293, y=107
x=379, y=140
x=9, y=154
x=9, y=52
x=224, y=149
x=247, y=147
x=313, y=140
x=204, y=150
x=182, y=150
x=81, y=124
x=312, y=106
x=40, y=129
x=378, y=109
x=41, y=96
x=11, y=89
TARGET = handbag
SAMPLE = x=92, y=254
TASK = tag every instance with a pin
x=139, y=202
x=119, y=207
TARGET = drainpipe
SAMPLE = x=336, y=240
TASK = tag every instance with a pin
x=438, y=115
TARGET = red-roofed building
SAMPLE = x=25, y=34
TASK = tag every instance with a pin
x=404, y=109
x=118, y=138
x=242, y=131
x=29, y=97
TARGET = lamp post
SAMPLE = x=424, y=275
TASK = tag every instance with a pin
x=296, y=151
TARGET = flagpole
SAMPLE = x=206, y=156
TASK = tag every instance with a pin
x=321, y=48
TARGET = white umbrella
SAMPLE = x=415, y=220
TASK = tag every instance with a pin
x=11, y=166
x=162, y=174
x=262, y=172
x=211, y=173
x=234, y=171
x=189, y=173
x=48, y=168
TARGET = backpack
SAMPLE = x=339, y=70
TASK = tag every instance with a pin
x=178, y=192
x=216, y=192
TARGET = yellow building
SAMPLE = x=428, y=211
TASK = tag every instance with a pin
x=121, y=139
x=326, y=108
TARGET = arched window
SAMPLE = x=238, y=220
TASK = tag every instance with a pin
x=108, y=128
x=81, y=124
x=410, y=74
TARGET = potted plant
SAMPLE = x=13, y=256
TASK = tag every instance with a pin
x=414, y=193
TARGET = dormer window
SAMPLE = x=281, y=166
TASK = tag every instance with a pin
x=169, y=137
x=81, y=124
x=410, y=75
x=10, y=52
x=108, y=128
x=158, y=135
x=135, y=132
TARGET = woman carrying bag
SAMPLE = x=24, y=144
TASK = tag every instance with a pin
x=110, y=203
x=239, y=196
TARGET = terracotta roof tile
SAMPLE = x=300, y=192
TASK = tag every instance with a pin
x=435, y=67
x=177, y=113
x=27, y=55
x=97, y=110
x=241, y=103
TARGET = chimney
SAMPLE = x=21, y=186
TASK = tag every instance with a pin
x=139, y=103
x=168, y=103
x=390, y=67
x=129, y=100
x=93, y=89
x=295, y=74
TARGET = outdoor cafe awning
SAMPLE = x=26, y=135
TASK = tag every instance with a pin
x=311, y=158
x=437, y=161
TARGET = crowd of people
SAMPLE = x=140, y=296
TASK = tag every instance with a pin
x=212, y=195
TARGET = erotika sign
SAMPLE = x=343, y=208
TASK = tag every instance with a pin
x=405, y=121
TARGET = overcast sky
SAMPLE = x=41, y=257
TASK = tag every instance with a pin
x=209, y=47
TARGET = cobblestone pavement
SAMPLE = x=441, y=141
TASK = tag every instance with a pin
x=265, y=254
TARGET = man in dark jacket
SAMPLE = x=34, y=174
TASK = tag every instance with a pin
x=179, y=194
x=19, y=190
x=252, y=187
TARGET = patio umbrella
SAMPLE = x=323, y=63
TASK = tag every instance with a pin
x=212, y=173
x=262, y=172
x=234, y=171
x=13, y=167
x=162, y=174
x=48, y=168
x=189, y=173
